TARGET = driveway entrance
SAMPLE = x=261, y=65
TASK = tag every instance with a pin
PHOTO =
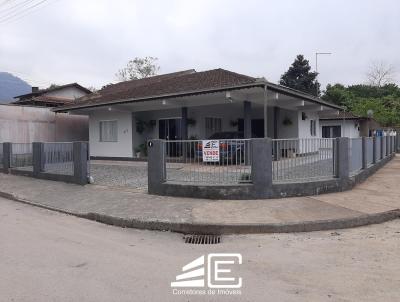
x=130, y=174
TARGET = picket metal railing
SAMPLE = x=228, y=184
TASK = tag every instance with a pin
x=59, y=158
x=303, y=159
x=185, y=161
x=21, y=155
x=355, y=152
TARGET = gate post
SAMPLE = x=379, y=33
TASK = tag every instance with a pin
x=364, y=149
x=7, y=150
x=374, y=159
x=343, y=158
x=155, y=165
x=80, y=151
x=261, y=165
x=38, y=158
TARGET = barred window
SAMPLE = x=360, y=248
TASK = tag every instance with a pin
x=213, y=125
x=108, y=131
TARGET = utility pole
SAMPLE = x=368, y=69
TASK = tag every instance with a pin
x=316, y=59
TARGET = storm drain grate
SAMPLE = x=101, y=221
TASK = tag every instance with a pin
x=202, y=239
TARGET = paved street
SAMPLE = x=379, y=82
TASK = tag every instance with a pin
x=48, y=256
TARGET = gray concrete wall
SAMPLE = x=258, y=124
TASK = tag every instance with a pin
x=356, y=158
x=25, y=124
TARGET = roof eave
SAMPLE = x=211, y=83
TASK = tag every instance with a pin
x=163, y=96
x=258, y=83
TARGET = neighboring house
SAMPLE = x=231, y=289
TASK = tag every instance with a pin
x=346, y=124
x=190, y=104
x=52, y=97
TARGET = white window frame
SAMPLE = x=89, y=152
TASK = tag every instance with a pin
x=112, y=139
x=313, y=127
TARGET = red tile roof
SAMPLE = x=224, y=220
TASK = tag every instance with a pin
x=338, y=115
x=188, y=81
x=42, y=91
x=44, y=100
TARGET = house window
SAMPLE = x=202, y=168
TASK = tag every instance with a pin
x=108, y=131
x=213, y=125
x=313, y=127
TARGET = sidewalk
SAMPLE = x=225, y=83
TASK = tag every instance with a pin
x=376, y=200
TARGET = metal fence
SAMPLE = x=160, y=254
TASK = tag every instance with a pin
x=370, y=151
x=185, y=162
x=302, y=159
x=59, y=158
x=355, y=153
x=21, y=156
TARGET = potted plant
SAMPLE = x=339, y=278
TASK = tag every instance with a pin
x=191, y=122
x=137, y=152
x=140, y=126
x=234, y=123
x=152, y=124
x=287, y=121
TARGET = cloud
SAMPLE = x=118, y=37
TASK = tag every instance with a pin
x=88, y=41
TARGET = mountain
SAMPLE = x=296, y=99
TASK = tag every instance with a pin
x=11, y=86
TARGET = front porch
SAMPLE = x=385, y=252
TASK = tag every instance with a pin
x=249, y=112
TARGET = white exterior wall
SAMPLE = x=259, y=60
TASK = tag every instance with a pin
x=123, y=146
x=128, y=138
x=288, y=131
x=304, y=126
x=349, y=128
x=68, y=93
x=226, y=112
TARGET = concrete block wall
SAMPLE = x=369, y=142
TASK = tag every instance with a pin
x=261, y=172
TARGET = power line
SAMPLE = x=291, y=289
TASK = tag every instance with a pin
x=21, y=13
x=5, y=2
x=15, y=7
x=9, y=16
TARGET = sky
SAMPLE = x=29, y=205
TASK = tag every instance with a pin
x=88, y=41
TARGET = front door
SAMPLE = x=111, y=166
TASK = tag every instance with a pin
x=170, y=129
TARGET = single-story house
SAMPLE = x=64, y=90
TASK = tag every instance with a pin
x=346, y=124
x=52, y=97
x=190, y=104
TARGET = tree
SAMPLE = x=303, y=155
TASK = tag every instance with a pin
x=92, y=89
x=384, y=101
x=380, y=74
x=138, y=68
x=300, y=77
x=53, y=86
x=337, y=94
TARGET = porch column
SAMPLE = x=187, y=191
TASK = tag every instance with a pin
x=265, y=111
x=184, y=125
x=184, y=132
x=247, y=119
x=277, y=111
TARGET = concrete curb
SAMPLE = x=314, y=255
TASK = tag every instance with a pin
x=245, y=228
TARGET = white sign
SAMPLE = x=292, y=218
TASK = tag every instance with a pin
x=210, y=151
x=215, y=274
